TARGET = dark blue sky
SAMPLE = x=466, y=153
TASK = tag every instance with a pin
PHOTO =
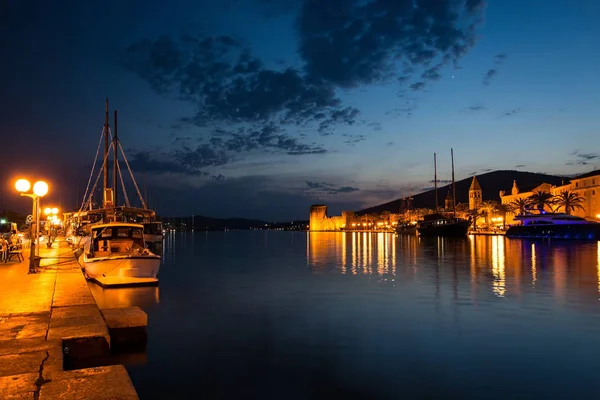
x=259, y=108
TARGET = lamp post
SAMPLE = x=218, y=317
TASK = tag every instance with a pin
x=40, y=189
x=51, y=220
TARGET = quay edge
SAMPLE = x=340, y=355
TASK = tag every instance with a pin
x=49, y=321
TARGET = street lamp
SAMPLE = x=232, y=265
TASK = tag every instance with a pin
x=51, y=220
x=40, y=189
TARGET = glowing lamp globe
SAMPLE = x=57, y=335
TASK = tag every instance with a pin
x=54, y=210
x=22, y=185
x=40, y=188
x=47, y=210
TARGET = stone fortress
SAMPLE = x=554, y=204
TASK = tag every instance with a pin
x=586, y=186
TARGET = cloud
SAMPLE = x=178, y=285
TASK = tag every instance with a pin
x=583, y=158
x=417, y=86
x=222, y=148
x=489, y=76
x=353, y=139
x=389, y=144
x=499, y=58
x=511, y=112
x=329, y=188
x=363, y=43
x=406, y=109
x=228, y=85
x=492, y=72
x=475, y=107
x=441, y=181
x=520, y=166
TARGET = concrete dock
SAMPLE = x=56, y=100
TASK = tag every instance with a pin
x=54, y=340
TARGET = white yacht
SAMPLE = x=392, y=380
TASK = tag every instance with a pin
x=553, y=225
x=116, y=251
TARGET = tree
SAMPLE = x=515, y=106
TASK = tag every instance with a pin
x=488, y=208
x=503, y=209
x=570, y=201
x=519, y=206
x=540, y=199
x=474, y=214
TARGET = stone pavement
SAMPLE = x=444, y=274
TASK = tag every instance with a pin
x=46, y=315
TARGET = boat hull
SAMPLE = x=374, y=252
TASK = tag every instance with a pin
x=455, y=229
x=558, y=231
x=123, y=267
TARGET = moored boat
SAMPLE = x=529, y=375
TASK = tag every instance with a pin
x=116, y=250
x=553, y=225
x=439, y=225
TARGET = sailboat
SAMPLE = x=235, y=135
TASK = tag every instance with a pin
x=437, y=224
x=115, y=250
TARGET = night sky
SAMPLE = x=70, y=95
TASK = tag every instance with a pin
x=259, y=108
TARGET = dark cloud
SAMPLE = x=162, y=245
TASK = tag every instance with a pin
x=221, y=149
x=417, y=86
x=511, y=112
x=492, y=72
x=499, y=58
x=406, y=109
x=475, y=107
x=489, y=76
x=583, y=158
x=441, y=181
x=487, y=170
x=388, y=144
x=329, y=188
x=351, y=140
x=376, y=126
x=520, y=166
x=228, y=85
x=364, y=42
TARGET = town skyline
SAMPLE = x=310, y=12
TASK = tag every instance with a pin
x=259, y=108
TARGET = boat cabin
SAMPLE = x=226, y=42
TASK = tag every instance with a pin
x=114, y=239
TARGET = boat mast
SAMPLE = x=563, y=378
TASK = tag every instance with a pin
x=105, y=162
x=435, y=180
x=453, y=185
x=115, y=161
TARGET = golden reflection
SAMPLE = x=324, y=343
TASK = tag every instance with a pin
x=143, y=297
x=533, y=265
x=598, y=264
x=381, y=267
x=498, y=266
x=352, y=252
x=472, y=264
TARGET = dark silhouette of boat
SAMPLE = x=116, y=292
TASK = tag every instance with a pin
x=437, y=224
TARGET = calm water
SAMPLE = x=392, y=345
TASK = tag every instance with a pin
x=267, y=314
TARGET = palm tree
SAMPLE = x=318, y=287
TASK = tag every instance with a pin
x=571, y=201
x=488, y=207
x=474, y=214
x=540, y=199
x=519, y=206
x=503, y=209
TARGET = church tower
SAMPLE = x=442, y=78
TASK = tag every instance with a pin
x=475, y=195
x=448, y=201
x=515, y=189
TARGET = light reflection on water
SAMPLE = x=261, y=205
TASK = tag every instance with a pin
x=371, y=315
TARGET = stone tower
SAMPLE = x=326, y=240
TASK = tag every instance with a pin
x=448, y=201
x=475, y=193
x=318, y=217
x=515, y=189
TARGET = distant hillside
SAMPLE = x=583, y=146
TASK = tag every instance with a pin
x=202, y=223
x=491, y=185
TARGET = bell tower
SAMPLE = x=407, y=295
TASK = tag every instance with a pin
x=475, y=194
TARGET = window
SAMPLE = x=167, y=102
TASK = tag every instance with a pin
x=576, y=184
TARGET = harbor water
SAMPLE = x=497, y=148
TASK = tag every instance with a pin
x=296, y=315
